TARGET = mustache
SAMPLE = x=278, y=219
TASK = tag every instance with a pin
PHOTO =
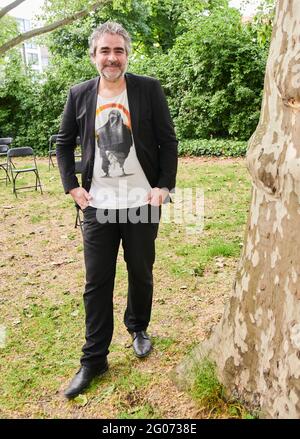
x=112, y=64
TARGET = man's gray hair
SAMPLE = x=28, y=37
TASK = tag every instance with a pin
x=109, y=27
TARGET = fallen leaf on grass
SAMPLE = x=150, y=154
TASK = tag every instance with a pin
x=81, y=400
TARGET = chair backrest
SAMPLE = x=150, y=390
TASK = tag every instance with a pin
x=4, y=149
x=21, y=151
x=6, y=140
x=52, y=139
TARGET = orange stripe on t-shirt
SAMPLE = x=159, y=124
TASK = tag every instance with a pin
x=119, y=106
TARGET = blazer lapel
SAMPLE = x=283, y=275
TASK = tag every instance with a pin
x=133, y=101
x=91, y=104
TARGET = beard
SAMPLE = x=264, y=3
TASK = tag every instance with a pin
x=113, y=75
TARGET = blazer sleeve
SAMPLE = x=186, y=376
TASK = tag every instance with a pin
x=166, y=138
x=65, y=145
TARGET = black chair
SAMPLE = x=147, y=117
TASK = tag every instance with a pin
x=52, y=149
x=4, y=162
x=79, y=219
x=6, y=141
x=25, y=151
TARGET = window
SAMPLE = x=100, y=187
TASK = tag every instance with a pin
x=32, y=58
x=30, y=45
x=24, y=24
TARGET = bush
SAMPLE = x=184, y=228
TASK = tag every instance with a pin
x=213, y=147
x=213, y=77
x=31, y=104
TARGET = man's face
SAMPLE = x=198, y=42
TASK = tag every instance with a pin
x=110, y=57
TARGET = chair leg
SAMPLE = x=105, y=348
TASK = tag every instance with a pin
x=51, y=161
x=14, y=185
x=5, y=169
x=7, y=176
x=40, y=184
x=78, y=221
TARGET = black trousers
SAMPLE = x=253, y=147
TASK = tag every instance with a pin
x=103, y=232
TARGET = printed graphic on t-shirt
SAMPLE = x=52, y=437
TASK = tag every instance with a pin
x=119, y=181
x=114, y=141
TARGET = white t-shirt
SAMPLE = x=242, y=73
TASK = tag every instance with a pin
x=119, y=181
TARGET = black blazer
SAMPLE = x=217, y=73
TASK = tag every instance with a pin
x=152, y=128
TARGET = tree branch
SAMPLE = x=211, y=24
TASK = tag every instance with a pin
x=49, y=27
x=6, y=9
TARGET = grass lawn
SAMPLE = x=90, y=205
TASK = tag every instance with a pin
x=41, y=309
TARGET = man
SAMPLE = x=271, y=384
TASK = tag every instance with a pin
x=128, y=169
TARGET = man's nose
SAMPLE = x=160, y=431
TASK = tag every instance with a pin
x=112, y=57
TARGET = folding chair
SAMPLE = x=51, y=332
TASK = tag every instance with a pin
x=6, y=141
x=4, y=162
x=25, y=151
x=52, y=149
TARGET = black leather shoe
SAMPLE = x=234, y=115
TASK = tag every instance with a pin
x=82, y=380
x=141, y=343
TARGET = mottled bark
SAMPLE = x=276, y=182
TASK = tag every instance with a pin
x=256, y=345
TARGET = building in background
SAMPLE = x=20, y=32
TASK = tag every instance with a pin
x=35, y=56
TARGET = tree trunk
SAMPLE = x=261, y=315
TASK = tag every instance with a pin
x=256, y=345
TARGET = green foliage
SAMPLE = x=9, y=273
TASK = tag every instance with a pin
x=8, y=28
x=213, y=77
x=262, y=22
x=207, y=389
x=214, y=147
x=211, y=67
x=73, y=40
x=152, y=24
x=31, y=104
x=15, y=91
